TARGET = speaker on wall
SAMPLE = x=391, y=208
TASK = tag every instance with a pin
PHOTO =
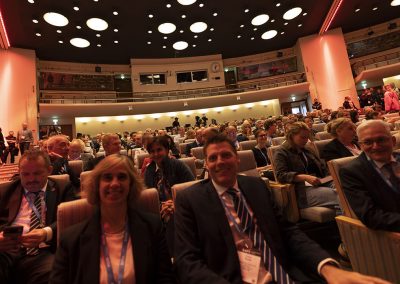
x=97, y=69
x=279, y=54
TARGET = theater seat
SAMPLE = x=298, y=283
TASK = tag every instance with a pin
x=76, y=166
x=190, y=163
x=247, y=145
x=323, y=135
x=247, y=164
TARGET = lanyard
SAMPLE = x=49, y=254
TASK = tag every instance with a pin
x=232, y=218
x=262, y=153
x=33, y=207
x=110, y=274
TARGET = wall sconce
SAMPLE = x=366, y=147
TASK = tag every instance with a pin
x=219, y=109
x=172, y=114
x=122, y=118
x=249, y=106
x=139, y=117
x=265, y=103
x=55, y=121
x=234, y=108
x=103, y=119
x=156, y=116
x=203, y=111
x=188, y=112
x=238, y=98
x=185, y=104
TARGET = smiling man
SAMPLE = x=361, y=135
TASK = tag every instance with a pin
x=227, y=230
x=371, y=182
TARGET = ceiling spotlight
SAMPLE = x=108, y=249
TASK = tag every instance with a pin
x=35, y=21
x=194, y=45
x=60, y=41
x=38, y=34
x=31, y=1
x=239, y=36
x=282, y=33
x=357, y=10
x=79, y=42
x=375, y=8
x=273, y=20
x=166, y=28
x=299, y=25
x=149, y=42
x=209, y=39
x=98, y=35
x=395, y=3
x=151, y=16
x=254, y=29
x=96, y=0
x=195, y=36
x=215, y=14
x=212, y=29
x=260, y=20
x=278, y=4
x=164, y=46
x=55, y=19
x=183, y=16
x=76, y=8
x=168, y=5
x=181, y=31
x=149, y=32
x=115, y=13
x=116, y=41
x=198, y=27
x=269, y=34
x=246, y=10
x=241, y=26
x=186, y=2
x=115, y=30
x=98, y=45
x=305, y=14
x=165, y=37
x=59, y=31
x=286, y=23
x=252, y=38
x=97, y=24
x=292, y=13
x=78, y=27
x=180, y=45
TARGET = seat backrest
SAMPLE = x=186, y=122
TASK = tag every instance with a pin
x=189, y=161
x=190, y=140
x=247, y=164
x=334, y=169
x=247, y=145
x=276, y=141
x=182, y=147
x=319, y=145
x=61, y=180
x=76, y=166
x=323, y=135
x=83, y=178
x=319, y=127
x=397, y=146
x=198, y=153
x=140, y=159
x=123, y=152
x=73, y=212
x=100, y=153
x=271, y=154
x=181, y=186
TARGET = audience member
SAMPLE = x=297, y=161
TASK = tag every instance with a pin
x=316, y=105
x=24, y=138
x=197, y=143
x=348, y=103
x=260, y=150
x=111, y=144
x=76, y=152
x=11, y=149
x=391, y=100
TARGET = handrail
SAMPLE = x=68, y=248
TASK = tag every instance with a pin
x=112, y=97
x=376, y=61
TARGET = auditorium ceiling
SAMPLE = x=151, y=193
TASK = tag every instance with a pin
x=131, y=28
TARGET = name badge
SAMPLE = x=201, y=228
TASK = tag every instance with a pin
x=250, y=261
x=22, y=137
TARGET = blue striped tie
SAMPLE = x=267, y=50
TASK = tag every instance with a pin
x=249, y=227
x=35, y=222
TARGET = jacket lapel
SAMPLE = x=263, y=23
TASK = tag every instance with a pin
x=15, y=202
x=51, y=200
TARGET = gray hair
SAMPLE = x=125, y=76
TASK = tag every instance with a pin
x=372, y=123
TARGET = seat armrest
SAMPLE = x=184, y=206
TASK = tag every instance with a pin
x=285, y=197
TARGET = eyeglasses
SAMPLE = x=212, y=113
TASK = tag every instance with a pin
x=378, y=141
x=262, y=136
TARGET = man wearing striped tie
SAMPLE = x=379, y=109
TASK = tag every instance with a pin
x=227, y=230
x=30, y=203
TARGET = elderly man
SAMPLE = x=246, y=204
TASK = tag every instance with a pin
x=111, y=144
x=197, y=143
x=371, y=181
x=30, y=202
x=227, y=230
x=24, y=138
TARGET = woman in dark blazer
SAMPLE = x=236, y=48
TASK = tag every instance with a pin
x=260, y=150
x=344, y=143
x=118, y=243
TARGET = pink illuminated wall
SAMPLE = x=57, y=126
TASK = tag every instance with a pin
x=328, y=68
x=17, y=89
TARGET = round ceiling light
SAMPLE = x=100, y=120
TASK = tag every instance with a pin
x=395, y=3
x=97, y=24
x=79, y=42
x=180, y=45
x=166, y=28
x=186, y=2
x=198, y=27
x=260, y=20
x=292, y=13
x=269, y=34
x=55, y=19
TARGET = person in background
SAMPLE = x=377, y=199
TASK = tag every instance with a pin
x=348, y=103
x=316, y=105
x=119, y=243
x=391, y=100
x=245, y=132
x=260, y=150
x=2, y=145
x=76, y=152
x=270, y=128
x=354, y=116
x=111, y=144
x=231, y=133
x=24, y=138
x=11, y=148
x=175, y=123
x=197, y=143
x=180, y=135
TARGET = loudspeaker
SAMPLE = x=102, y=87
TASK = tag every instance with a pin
x=279, y=54
x=97, y=69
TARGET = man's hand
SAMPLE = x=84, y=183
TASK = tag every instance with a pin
x=335, y=275
x=8, y=244
x=33, y=238
x=167, y=208
x=54, y=155
x=314, y=181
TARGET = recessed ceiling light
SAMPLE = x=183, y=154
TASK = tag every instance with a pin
x=115, y=30
x=282, y=33
x=59, y=31
x=97, y=24
x=241, y=26
x=195, y=36
x=201, y=5
x=292, y=13
x=357, y=10
x=209, y=39
x=168, y=5
x=246, y=10
x=35, y=21
x=269, y=34
x=115, y=13
x=254, y=29
x=151, y=16
x=183, y=16
x=215, y=14
x=60, y=41
x=180, y=45
x=395, y=3
x=186, y=2
x=198, y=27
x=375, y=8
x=260, y=20
x=164, y=46
x=166, y=28
x=149, y=42
x=55, y=19
x=116, y=41
x=212, y=29
x=194, y=45
x=79, y=42
x=278, y=4
x=96, y=0
x=78, y=27
x=299, y=25
x=252, y=38
x=273, y=20
x=165, y=37
x=149, y=32
x=31, y=1
x=286, y=23
x=76, y=8
x=98, y=45
x=38, y=34
x=181, y=31
x=98, y=35
x=305, y=14
x=239, y=36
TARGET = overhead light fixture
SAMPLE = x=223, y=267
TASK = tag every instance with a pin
x=183, y=16
x=180, y=45
x=269, y=34
x=166, y=28
x=38, y=34
x=235, y=107
x=115, y=13
x=97, y=24
x=172, y=114
x=357, y=10
x=246, y=10
x=299, y=25
x=198, y=27
x=31, y=1
x=305, y=14
x=188, y=112
x=210, y=39
x=186, y=2
x=115, y=30
x=203, y=111
x=138, y=117
x=195, y=36
x=273, y=20
x=98, y=35
x=149, y=42
x=60, y=41
x=35, y=21
x=292, y=13
x=215, y=14
x=116, y=41
x=282, y=33
x=83, y=119
x=242, y=26
x=121, y=118
x=260, y=20
x=165, y=37
x=285, y=23
x=156, y=115
x=278, y=4
x=168, y=5
x=98, y=45
x=239, y=36
x=375, y=8
x=79, y=42
x=76, y=8
x=181, y=31
x=252, y=38
x=193, y=45
x=218, y=109
x=78, y=27
x=55, y=19
x=103, y=119
x=164, y=46
x=59, y=31
x=201, y=5
x=395, y=3
x=212, y=29
x=249, y=105
x=151, y=16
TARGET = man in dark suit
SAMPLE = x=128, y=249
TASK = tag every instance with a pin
x=228, y=231
x=371, y=182
x=30, y=202
x=197, y=143
x=111, y=144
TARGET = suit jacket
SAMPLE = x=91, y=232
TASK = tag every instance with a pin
x=11, y=197
x=58, y=169
x=93, y=162
x=205, y=250
x=374, y=202
x=78, y=255
x=194, y=144
x=335, y=150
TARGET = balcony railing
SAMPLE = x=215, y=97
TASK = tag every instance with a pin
x=60, y=97
x=375, y=62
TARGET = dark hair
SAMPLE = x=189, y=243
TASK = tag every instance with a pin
x=371, y=115
x=353, y=116
x=258, y=132
x=162, y=140
x=268, y=123
x=34, y=155
x=219, y=138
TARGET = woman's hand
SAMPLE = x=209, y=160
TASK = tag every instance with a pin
x=314, y=181
x=167, y=208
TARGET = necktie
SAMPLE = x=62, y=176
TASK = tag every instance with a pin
x=394, y=180
x=35, y=221
x=162, y=186
x=252, y=230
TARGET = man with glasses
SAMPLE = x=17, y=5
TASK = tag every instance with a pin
x=371, y=181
